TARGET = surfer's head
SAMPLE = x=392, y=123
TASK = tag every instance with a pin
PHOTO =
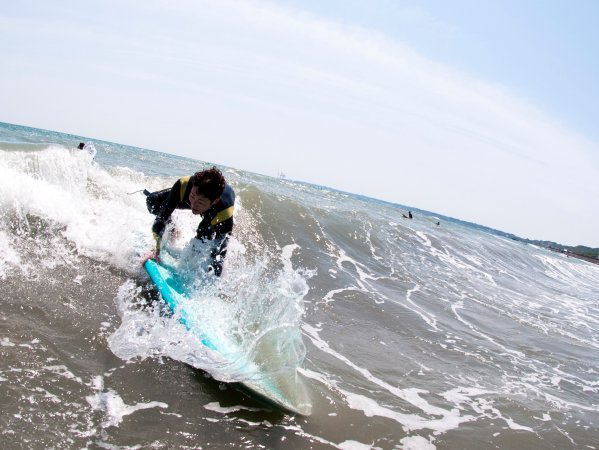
x=206, y=188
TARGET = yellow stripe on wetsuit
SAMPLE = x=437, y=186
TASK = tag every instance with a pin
x=183, y=188
x=223, y=215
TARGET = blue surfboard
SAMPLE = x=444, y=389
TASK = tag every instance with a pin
x=285, y=390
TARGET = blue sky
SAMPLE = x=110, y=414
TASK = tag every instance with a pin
x=484, y=111
x=544, y=50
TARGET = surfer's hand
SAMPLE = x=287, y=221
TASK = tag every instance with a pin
x=155, y=255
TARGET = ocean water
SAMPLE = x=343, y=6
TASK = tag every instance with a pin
x=408, y=335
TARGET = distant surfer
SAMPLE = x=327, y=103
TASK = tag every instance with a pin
x=206, y=193
x=88, y=148
x=409, y=216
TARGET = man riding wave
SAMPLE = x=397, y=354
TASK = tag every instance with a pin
x=207, y=194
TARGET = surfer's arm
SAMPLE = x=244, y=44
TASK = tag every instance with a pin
x=154, y=254
x=157, y=250
x=166, y=210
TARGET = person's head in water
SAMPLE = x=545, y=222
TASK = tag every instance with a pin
x=206, y=188
x=81, y=145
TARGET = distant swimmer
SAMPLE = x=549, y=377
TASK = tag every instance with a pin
x=409, y=216
x=88, y=148
x=438, y=223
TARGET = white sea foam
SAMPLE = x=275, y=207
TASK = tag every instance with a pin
x=416, y=443
x=48, y=395
x=115, y=408
x=355, y=445
x=64, y=372
x=360, y=268
x=215, y=407
x=89, y=205
x=9, y=258
x=410, y=422
x=5, y=342
x=476, y=399
x=427, y=317
x=450, y=418
x=309, y=437
x=329, y=297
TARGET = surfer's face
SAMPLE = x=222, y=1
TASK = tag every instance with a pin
x=199, y=203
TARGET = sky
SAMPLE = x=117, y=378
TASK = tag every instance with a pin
x=481, y=110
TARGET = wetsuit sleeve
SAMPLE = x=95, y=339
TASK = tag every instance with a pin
x=167, y=209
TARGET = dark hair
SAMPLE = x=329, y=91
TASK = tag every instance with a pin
x=210, y=183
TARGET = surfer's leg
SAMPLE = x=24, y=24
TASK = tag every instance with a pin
x=218, y=255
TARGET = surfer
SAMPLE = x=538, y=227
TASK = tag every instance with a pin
x=409, y=216
x=207, y=194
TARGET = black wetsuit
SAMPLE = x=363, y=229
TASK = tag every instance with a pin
x=216, y=225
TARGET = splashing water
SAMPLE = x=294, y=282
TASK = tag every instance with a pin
x=255, y=314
